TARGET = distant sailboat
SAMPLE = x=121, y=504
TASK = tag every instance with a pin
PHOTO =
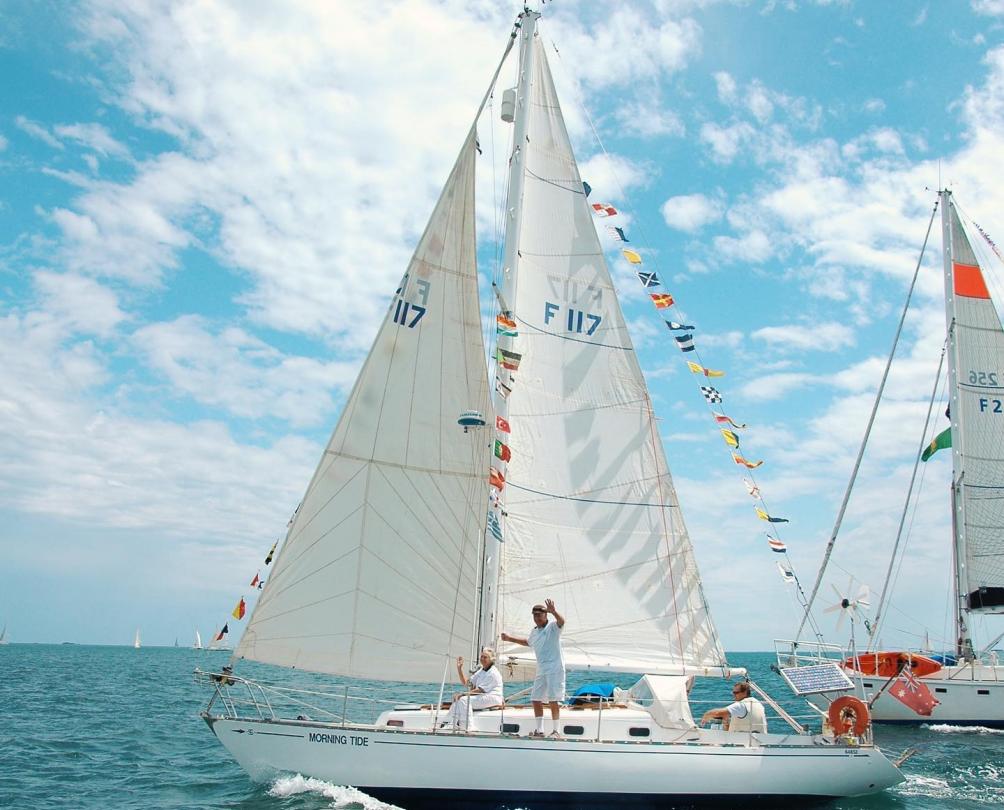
x=3, y=635
x=198, y=641
x=135, y=641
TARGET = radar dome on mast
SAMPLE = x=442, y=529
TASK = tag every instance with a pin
x=471, y=419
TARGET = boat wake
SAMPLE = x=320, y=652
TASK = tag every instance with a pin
x=944, y=728
x=341, y=796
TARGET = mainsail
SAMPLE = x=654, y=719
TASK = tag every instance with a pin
x=977, y=343
x=378, y=575
x=592, y=516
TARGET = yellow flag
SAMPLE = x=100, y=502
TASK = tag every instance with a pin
x=761, y=514
x=631, y=256
x=730, y=438
x=697, y=368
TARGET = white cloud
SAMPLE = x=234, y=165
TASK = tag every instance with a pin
x=78, y=304
x=94, y=136
x=690, y=212
x=240, y=374
x=752, y=247
x=726, y=141
x=647, y=120
x=726, y=86
x=37, y=131
x=874, y=105
x=775, y=386
x=3, y=143
x=826, y=337
x=990, y=8
x=921, y=17
x=612, y=176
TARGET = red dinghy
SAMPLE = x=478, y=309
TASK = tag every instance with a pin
x=889, y=664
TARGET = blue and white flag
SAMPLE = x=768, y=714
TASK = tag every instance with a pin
x=617, y=233
x=685, y=342
x=648, y=279
x=678, y=327
x=493, y=525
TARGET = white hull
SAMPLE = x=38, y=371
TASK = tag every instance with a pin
x=966, y=696
x=495, y=769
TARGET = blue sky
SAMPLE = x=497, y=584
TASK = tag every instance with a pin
x=205, y=206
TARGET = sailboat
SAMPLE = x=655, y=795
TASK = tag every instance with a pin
x=3, y=635
x=415, y=543
x=135, y=641
x=198, y=641
x=968, y=684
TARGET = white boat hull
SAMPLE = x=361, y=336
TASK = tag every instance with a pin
x=966, y=697
x=413, y=767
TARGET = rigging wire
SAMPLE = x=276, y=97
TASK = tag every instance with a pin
x=868, y=430
x=877, y=623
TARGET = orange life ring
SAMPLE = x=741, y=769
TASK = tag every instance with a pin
x=849, y=714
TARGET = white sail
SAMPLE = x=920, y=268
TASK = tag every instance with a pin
x=378, y=575
x=198, y=641
x=977, y=410
x=593, y=519
x=135, y=641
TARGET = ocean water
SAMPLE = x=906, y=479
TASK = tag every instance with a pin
x=114, y=727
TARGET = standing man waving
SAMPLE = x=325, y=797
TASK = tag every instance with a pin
x=549, y=685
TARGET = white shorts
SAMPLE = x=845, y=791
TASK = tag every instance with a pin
x=548, y=687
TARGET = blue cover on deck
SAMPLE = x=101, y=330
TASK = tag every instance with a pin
x=592, y=693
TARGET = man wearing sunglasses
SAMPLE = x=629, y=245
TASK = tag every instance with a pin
x=745, y=713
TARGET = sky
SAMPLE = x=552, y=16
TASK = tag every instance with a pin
x=205, y=207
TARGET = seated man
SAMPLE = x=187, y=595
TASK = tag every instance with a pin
x=745, y=714
x=484, y=690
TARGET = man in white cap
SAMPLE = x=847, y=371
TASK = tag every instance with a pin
x=549, y=685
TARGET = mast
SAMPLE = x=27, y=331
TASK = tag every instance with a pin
x=963, y=643
x=488, y=622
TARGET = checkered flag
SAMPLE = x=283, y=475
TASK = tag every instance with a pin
x=711, y=394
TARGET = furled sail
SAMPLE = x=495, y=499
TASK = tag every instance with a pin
x=593, y=519
x=977, y=426
x=378, y=575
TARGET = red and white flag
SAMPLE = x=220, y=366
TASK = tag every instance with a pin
x=604, y=210
x=913, y=694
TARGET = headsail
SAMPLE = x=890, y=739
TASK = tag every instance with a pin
x=977, y=340
x=593, y=518
x=378, y=574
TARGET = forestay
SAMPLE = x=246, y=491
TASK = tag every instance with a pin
x=593, y=518
x=977, y=426
x=378, y=575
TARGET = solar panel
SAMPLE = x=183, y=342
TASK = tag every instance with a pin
x=817, y=678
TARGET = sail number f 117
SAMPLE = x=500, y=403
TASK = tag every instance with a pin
x=409, y=313
x=576, y=320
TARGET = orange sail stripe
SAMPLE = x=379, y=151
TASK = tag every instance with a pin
x=969, y=281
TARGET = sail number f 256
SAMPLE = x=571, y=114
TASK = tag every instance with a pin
x=575, y=320
x=982, y=378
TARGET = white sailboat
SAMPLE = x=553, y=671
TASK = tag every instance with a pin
x=394, y=564
x=135, y=641
x=3, y=635
x=968, y=685
x=198, y=641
